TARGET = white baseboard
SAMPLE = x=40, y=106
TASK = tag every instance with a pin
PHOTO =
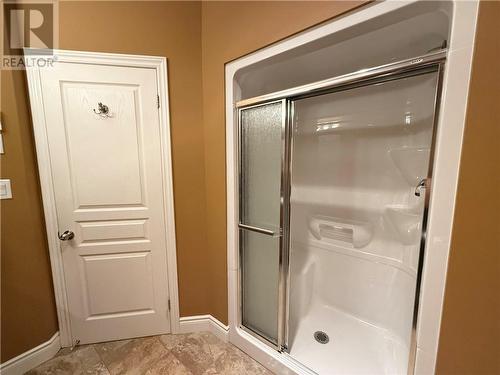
x=198, y=323
x=32, y=358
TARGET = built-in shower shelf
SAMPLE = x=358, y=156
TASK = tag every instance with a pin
x=365, y=254
x=347, y=232
x=412, y=163
x=406, y=223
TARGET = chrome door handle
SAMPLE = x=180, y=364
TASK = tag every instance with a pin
x=257, y=229
x=420, y=186
x=66, y=235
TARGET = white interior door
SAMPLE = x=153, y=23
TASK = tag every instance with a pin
x=108, y=187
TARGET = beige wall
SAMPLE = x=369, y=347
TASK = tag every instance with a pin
x=470, y=332
x=28, y=314
x=198, y=40
x=170, y=29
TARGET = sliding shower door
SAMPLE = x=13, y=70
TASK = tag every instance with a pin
x=262, y=145
x=361, y=162
x=334, y=182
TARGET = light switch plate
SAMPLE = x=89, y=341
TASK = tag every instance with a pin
x=5, y=189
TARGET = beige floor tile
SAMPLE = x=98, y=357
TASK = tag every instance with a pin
x=194, y=352
x=171, y=341
x=83, y=360
x=204, y=353
x=230, y=360
x=131, y=357
x=216, y=346
x=234, y=361
x=168, y=365
x=188, y=354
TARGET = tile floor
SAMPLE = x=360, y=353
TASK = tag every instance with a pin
x=194, y=353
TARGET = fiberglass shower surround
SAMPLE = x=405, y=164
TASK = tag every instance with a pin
x=358, y=156
x=335, y=157
x=331, y=218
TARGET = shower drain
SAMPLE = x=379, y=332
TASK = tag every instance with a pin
x=321, y=337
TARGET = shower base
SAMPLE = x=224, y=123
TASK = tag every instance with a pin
x=354, y=347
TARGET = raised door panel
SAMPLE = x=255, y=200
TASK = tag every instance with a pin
x=97, y=232
x=104, y=151
x=130, y=284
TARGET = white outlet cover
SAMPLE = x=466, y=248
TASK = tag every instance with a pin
x=5, y=189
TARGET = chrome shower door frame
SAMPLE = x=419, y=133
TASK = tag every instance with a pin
x=432, y=62
x=283, y=230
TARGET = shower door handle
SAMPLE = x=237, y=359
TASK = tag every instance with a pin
x=257, y=229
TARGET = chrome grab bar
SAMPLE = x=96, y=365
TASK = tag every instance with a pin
x=257, y=229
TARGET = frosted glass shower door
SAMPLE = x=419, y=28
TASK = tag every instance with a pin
x=360, y=169
x=261, y=150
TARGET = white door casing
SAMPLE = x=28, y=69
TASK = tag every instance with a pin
x=108, y=180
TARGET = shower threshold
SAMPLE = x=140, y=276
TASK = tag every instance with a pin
x=355, y=347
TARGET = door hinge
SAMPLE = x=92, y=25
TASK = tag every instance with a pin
x=169, y=307
x=158, y=100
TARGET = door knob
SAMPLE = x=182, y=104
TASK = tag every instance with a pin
x=66, y=235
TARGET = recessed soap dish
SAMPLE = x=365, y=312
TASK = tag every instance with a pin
x=347, y=232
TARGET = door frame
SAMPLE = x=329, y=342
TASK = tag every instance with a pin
x=159, y=64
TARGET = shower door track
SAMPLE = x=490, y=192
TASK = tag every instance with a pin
x=360, y=76
x=428, y=63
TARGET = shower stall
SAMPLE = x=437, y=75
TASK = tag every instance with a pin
x=332, y=193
